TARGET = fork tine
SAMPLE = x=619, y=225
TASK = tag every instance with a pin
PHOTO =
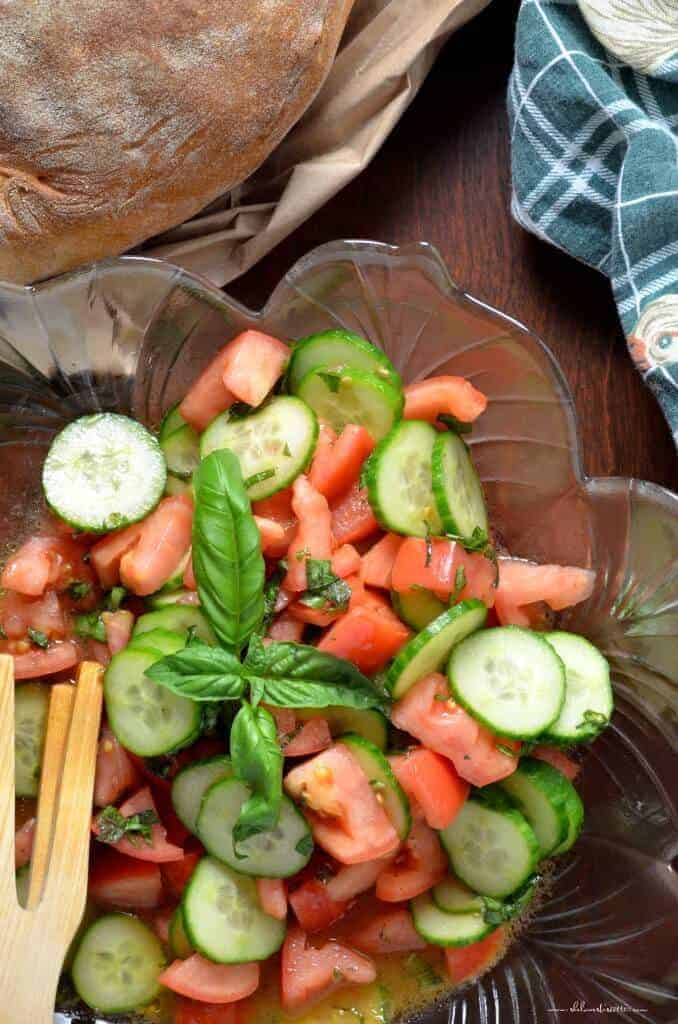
x=7, y=863
x=60, y=709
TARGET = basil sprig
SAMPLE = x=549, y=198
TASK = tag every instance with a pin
x=227, y=560
x=257, y=760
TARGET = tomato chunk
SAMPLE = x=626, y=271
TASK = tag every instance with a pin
x=177, y=873
x=352, y=516
x=431, y=783
x=457, y=397
x=165, y=539
x=252, y=364
x=286, y=627
x=420, y=864
x=366, y=636
x=107, y=554
x=23, y=843
x=322, y=456
x=46, y=614
x=313, y=537
x=278, y=508
x=32, y=568
x=340, y=466
x=353, y=879
x=558, y=760
x=438, y=568
x=38, y=662
x=189, y=1011
x=310, y=973
x=118, y=626
x=524, y=583
x=346, y=561
x=313, y=906
x=347, y=819
x=158, y=850
x=115, y=772
x=124, y=883
x=314, y=616
x=207, y=982
x=466, y=962
x=377, y=563
x=208, y=396
x=313, y=736
x=444, y=726
x=161, y=922
x=273, y=897
x=271, y=534
x=390, y=932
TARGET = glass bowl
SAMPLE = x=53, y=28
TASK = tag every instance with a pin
x=133, y=333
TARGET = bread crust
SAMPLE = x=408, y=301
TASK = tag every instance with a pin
x=122, y=118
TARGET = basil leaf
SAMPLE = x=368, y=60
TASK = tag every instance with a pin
x=90, y=625
x=497, y=911
x=324, y=588
x=227, y=559
x=40, y=639
x=257, y=760
x=271, y=591
x=296, y=676
x=319, y=573
x=78, y=589
x=258, y=478
x=112, y=826
x=201, y=673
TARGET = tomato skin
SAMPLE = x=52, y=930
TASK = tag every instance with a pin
x=158, y=851
x=208, y=395
x=313, y=616
x=435, y=568
x=367, y=637
x=340, y=463
x=118, y=626
x=313, y=537
x=115, y=773
x=208, y=982
x=123, y=883
x=322, y=456
x=313, y=736
x=355, y=879
x=464, y=962
x=272, y=895
x=308, y=974
x=107, y=553
x=378, y=562
x=455, y=396
x=38, y=662
x=315, y=910
x=346, y=561
x=390, y=932
x=419, y=865
x=252, y=364
x=164, y=539
x=23, y=843
x=524, y=583
x=558, y=760
x=177, y=873
x=271, y=534
x=189, y=1011
x=431, y=783
x=352, y=516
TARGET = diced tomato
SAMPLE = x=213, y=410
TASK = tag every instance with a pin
x=273, y=897
x=208, y=982
x=188, y=579
x=18, y=614
x=361, y=596
x=177, y=873
x=313, y=537
x=346, y=561
x=115, y=772
x=278, y=508
x=444, y=726
x=432, y=783
x=23, y=843
x=310, y=973
x=340, y=467
x=252, y=364
x=313, y=736
x=285, y=722
x=118, y=626
x=314, y=909
x=208, y=396
x=206, y=746
x=189, y=1011
x=347, y=819
x=390, y=932
x=322, y=456
x=525, y=583
x=454, y=396
x=158, y=851
x=286, y=627
x=107, y=554
x=464, y=962
x=352, y=516
x=377, y=563
x=165, y=538
x=161, y=922
x=124, y=883
x=314, y=616
x=435, y=565
x=45, y=662
x=353, y=879
x=367, y=637
x=177, y=833
x=419, y=865
x=558, y=760
x=271, y=534
x=32, y=568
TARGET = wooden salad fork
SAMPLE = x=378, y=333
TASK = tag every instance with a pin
x=35, y=940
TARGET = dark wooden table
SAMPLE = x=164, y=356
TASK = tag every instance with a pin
x=443, y=176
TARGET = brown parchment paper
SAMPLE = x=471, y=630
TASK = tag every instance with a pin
x=387, y=50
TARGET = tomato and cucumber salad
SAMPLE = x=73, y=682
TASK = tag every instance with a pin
x=334, y=747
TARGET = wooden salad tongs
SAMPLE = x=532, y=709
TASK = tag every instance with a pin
x=35, y=940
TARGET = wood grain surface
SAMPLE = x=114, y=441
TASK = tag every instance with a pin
x=444, y=176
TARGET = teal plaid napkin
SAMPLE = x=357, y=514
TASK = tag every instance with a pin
x=595, y=172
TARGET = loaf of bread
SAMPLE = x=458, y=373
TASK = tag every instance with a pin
x=122, y=118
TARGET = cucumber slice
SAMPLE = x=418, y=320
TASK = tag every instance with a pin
x=103, y=472
x=165, y=598
x=178, y=618
x=541, y=794
x=429, y=650
x=346, y=396
x=399, y=484
x=147, y=719
x=491, y=847
x=182, y=452
x=452, y=897
x=179, y=943
x=456, y=487
x=337, y=349
x=388, y=790
x=172, y=421
x=277, y=854
x=274, y=445
x=575, y=821
x=418, y=608
x=369, y=724
x=31, y=704
x=22, y=881
x=223, y=918
x=510, y=679
x=442, y=929
x=117, y=964
x=175, y=485
x=192, y=782
x=589, y=702
x=164, y=641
